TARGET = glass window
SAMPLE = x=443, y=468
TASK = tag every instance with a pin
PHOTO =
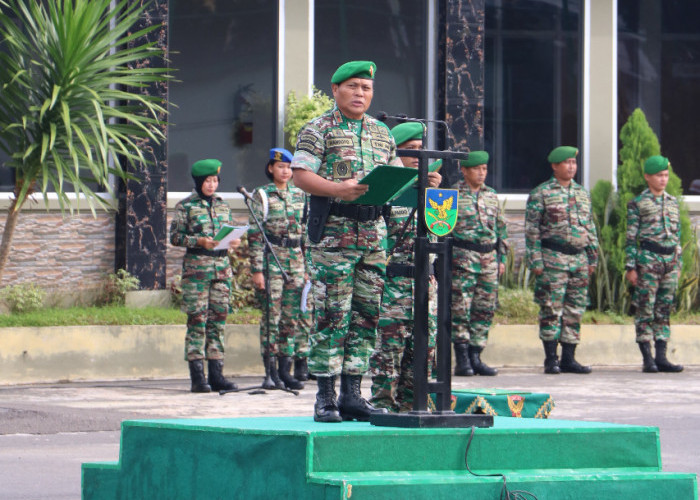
x=224, y=102
x=390, y=33
x=659, y=72
x=533, y=88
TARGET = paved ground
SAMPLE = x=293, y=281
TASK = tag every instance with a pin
x=48, y=431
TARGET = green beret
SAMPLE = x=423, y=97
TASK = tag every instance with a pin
x=475, y=158
x=407, y=132
x=562, y=153
x=205, y=168
x=655, y=164
x=359, y=69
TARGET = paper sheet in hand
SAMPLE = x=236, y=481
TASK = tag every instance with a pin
x=305, y=295
x=228, y=233
x=384, y=182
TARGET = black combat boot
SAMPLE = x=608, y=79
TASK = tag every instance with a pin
x=351, y=404
x=216, y=377
x=568, y=363
x=480, y=368
x=647, y=358
x=199, y=382
x=663, y=364
x=462, y=366
x=551, y=360
x=272, y=379
x=301, y=369
x=285, y=365
x=326, y=407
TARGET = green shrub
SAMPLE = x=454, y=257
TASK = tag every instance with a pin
x=116, y=285
x=517, y=306
x=23, y=298
x=302, y=109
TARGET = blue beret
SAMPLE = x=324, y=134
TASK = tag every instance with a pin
x=281, y=154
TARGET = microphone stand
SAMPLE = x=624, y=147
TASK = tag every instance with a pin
x=267, y=251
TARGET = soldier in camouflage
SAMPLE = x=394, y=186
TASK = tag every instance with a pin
x=333, y=152
x=281, y=213
x=478, y=258
x=206, y=276
x=391, y=363
x=653, y=249
x=562, y=252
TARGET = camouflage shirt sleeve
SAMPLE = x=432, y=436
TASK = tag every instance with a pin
x=631, y=235
x=502, y=232
x=592, y=246
x=533, y=218
x=309, y=151
x=180, y=235
x=255, y=241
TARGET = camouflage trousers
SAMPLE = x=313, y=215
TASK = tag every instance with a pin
x=280, y=326
x=306, y=323
x=347, y=289
x=562, y=296
x=206, y=304
x=653, y=298
x=474, y=296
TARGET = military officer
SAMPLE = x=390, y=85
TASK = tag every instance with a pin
x=333, y=152
x=653, y=252
x=561, y=251
x=478, y=258
x=284, y=228
x=206, y=276
x=391, y=362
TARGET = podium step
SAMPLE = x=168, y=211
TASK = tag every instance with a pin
x=270, y=457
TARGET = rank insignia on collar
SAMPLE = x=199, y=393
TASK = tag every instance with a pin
x=441, y=210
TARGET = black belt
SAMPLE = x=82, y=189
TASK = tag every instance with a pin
x=360, y=213
x=564, y=248
x=476, y=247
x=405, y=270
x=284, y=242
x=652, y=246
x=208, y=253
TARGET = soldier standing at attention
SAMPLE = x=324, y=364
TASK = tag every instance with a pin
x=478, y=258
x=347, y=250
x=562, y=253
x=653, y=249
x=391, y=362
x=206, y=276
x=284, y=227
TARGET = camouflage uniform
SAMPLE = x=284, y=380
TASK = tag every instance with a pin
x=391, y=362
x=475, y=273
x=654, y=219
x=206, y=275
x=348, y=263
x=561, y=239
x=285, y=229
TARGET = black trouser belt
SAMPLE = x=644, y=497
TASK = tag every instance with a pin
x=404, y=270
x=564, y=248
x=360, y=213
x=208, y=253
x=284, y=242
x=476, y=247
x=652, y=246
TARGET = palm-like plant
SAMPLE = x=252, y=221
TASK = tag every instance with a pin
x=71, y=114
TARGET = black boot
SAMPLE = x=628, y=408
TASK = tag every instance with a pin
x=647, y=358
x=199, y=382
x=480, y=368
x=285, y=365
x=216, y=377
x=272, y=379
x=351, y=404
x=568, y=363
x=663, y=364
x=326, y=407
x=301, y=369
x=462, y=366
x=551, y=360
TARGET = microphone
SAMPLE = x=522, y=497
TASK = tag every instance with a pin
x=383, y=116
x=246, y=194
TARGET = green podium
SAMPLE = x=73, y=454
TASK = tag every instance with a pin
x=500, y=403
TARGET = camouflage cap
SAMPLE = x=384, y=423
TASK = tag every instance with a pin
x=205, y=168
x=475, y=158
x=358, y=69
x=562, y=153
x=655, y=164
x=408, y=131
x=281, y=154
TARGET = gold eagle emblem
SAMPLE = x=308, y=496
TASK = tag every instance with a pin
x=443, y=207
